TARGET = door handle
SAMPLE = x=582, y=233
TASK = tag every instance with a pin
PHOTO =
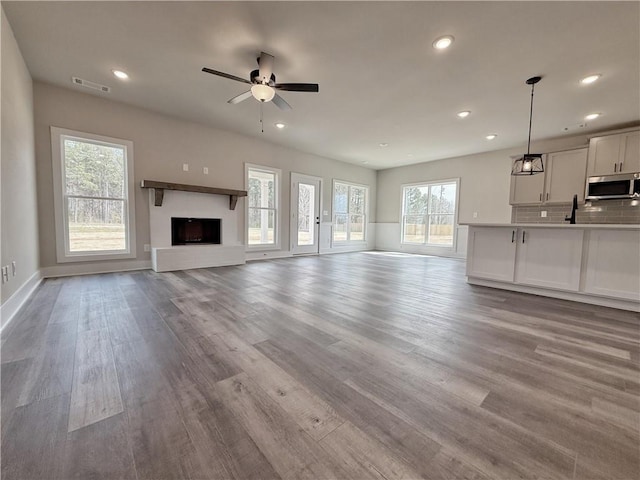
x=513, y=236
x=615, y=167
x=547, y=195
x=523, y=233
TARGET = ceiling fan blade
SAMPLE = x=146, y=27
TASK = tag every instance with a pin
x=240, y=98
x=265, y=63
x=225, y=75
x=298, y=87
x=280, y=102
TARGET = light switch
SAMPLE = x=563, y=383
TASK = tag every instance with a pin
x=185, y=167
x=205, y=170
x=475, y=214
x=13, y=268
x=543, y=213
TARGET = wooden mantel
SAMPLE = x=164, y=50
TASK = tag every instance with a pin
x=160, y=187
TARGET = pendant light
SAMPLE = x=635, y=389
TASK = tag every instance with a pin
x=529, y=163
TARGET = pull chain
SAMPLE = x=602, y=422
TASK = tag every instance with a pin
x=261, y=120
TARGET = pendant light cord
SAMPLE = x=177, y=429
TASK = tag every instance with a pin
x=530, y=119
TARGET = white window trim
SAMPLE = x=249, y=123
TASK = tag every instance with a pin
x=62, y=233
x=451, y=247
x=333, y=212
x=278, y=217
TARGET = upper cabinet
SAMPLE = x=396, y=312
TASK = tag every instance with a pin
x=527, y=189
x=564, y=177
x=612, y=154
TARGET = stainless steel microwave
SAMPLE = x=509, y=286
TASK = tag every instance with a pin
x=613, y=186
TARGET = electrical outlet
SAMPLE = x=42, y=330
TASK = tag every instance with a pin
x=13, y=268
x=5, y=274
x=325, y=213
x=543, y=213
x=205, y=170
x=147, y=247
x=185, y=167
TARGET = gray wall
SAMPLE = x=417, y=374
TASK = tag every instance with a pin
x=17, y=166
x=161, y=145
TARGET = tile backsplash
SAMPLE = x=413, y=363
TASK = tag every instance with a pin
x=602, y=211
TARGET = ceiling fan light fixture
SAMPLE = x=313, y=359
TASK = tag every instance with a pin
x=529, y=163
x=464, y=114
x=263, y=93
x=280, y=125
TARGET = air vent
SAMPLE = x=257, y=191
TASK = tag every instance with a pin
x=91, y=85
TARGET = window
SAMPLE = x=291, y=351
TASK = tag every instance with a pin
x=93, y=196
x=263, y=185
x=429, y=213
x=349, y=212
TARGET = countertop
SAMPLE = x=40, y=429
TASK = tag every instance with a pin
x=610, y=226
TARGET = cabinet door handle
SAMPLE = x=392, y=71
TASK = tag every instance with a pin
x=540, y=197
x=523, y=233
x=620, y=169
x=615, y=167
x=547, y=195
x=513, y=236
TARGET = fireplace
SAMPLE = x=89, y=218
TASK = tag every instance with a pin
x=198, y=231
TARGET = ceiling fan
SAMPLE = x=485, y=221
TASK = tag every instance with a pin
x=263, y=84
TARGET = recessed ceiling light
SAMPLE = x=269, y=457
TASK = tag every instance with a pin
x=590, y=79
x=491, y=136
x=280, y=125
x=441, y=43
x=592, y=116
x=120, y=74
x=463, y=114
x=365, y=162
x=383, y=145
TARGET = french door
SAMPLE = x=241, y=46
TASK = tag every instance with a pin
x=305, y=214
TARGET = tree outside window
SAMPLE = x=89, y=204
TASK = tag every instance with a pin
x=428, y=214
x=262, y=210
x=349, y=212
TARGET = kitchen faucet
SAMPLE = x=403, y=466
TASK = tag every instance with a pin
x=574, y=207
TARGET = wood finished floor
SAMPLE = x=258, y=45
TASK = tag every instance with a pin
x=341, y=366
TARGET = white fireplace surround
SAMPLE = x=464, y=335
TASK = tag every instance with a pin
x=166, y=257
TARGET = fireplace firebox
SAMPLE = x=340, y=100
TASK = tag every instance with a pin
x=198, y=231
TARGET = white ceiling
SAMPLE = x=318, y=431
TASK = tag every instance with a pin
x=380, y=79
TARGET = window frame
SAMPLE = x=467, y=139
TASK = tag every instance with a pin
x=429, y=184
x=60, y=200
x=365, y=214
x=277, y=220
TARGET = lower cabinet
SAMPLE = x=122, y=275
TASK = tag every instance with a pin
x=582, y=262
x=491, y=253
x=549, y=258
x=613, y=264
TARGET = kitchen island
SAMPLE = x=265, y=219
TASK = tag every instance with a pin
x=590, y=263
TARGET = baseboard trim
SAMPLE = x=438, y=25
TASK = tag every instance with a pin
x=15, y=302
x=95, y=268
x=571, y=296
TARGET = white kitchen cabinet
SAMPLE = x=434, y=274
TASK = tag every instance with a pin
x=527, y=189
x=491, y=253
x=549, y=257
x=612, y=154
x=613, y=264
x=565, y=176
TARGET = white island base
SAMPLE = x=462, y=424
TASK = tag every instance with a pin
x=596, y=264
